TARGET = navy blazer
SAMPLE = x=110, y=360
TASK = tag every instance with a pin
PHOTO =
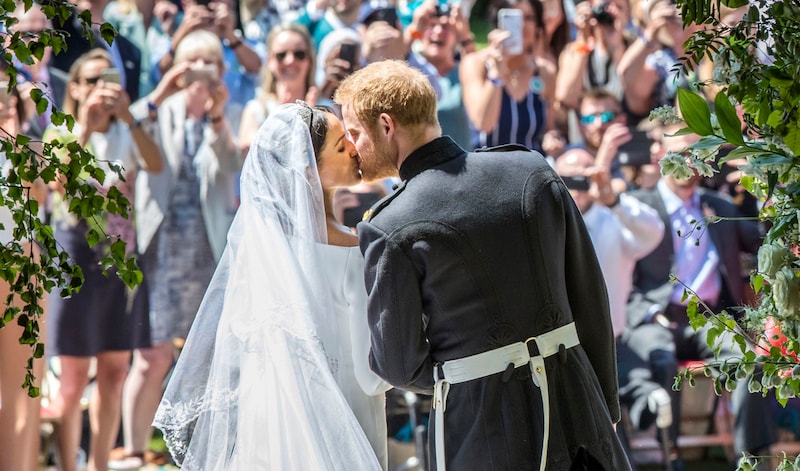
x=77, y=45
x=651, y=283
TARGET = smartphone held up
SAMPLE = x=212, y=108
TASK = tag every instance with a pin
x=511, y=20
x=207, y=73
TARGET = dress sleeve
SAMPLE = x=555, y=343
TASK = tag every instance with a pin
x=356, y=295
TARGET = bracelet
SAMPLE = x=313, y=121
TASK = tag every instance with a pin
x=235, y=45
x=583, y=48
x=496, y=81
x=647, y=43
x=414, y=33
x=151, y=107
x=217, y=119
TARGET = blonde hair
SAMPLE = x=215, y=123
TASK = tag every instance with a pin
x=71, y=106
x=268, y=84
x=200, y=41
x=392, y=87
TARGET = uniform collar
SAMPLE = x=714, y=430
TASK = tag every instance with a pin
x=436, y=152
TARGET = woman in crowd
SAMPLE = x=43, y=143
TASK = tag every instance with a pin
x=274, y=374
x=96, y=322
x=183, y=216
x=19, y=413
x=506, y=95
x=287, y=76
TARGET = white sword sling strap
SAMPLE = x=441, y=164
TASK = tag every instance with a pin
x=495, y=361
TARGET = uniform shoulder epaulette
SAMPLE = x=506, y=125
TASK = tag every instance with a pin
x=504, y=148
x=383, y=202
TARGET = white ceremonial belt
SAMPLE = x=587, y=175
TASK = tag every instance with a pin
x=496, y=361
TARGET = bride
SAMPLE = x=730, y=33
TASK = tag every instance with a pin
x=274, y=374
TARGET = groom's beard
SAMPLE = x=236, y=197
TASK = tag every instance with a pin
x=379, y=161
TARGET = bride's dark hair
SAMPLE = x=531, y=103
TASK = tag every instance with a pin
x=317, y=124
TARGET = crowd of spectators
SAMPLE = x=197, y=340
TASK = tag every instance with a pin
x=201, y=76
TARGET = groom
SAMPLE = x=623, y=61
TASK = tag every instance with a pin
x=484, y=289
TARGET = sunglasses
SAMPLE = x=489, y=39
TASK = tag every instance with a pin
x=299, y=55
x=90, y=80
x=604, y=117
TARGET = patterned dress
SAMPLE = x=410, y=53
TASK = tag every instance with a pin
x=179, y=263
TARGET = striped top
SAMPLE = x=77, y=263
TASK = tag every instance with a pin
x=521, y=122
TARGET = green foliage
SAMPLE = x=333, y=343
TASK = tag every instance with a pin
x=35, y=163
x=756, y=115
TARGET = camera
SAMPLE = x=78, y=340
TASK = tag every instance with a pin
x=601, y=14
x=576, y=182
x=442, y=8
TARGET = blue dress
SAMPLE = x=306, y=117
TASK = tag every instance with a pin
x=521, y=122
x=179, y=263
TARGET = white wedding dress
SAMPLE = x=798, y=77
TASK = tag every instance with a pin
x=362, y=389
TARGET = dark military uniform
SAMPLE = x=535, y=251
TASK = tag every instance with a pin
x=477, y=251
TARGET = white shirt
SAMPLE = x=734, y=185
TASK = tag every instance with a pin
x=622, y=235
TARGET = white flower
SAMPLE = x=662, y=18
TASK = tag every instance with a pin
x=786, y=292
x=675, y=165
x=703, y=168
x=771, y=258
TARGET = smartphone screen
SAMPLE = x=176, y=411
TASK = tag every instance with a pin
x=347, y=52
x=110, y=75
x=576, y=182
x=635, y=152
x=510, y=19
x=207, y=73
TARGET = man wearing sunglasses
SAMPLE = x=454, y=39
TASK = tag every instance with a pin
x=604, y=129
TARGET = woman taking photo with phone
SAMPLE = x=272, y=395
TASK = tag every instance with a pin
x=183, y=218
x=96, y=322
x=507, y=86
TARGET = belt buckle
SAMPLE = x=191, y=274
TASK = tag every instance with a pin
x=535, y=351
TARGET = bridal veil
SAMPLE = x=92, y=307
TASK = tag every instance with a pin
x=253, y=387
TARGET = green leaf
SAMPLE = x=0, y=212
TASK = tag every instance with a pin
x=742, y=153
x=708, y=142
x=92, y=237
x=108, y=33
x=41, y=105
x=728, y=120
x=758, y=283
x=695, y=112
x=734, y=3
x=792, y=137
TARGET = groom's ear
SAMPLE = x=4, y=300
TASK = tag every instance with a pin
x=386, y=125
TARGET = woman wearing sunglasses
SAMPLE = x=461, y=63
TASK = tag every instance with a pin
x=96, y=322
x=287, y=76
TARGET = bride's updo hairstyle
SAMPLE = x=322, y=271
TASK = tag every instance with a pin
x=317, y=122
